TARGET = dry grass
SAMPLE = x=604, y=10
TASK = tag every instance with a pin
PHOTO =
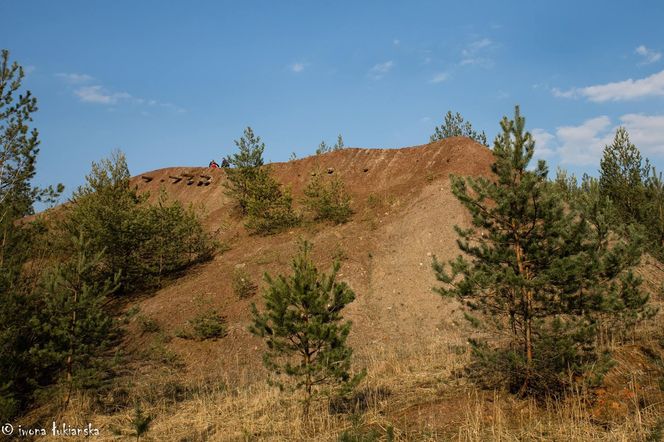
x=414, y=395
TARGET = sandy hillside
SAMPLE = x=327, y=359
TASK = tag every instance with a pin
x=404, y=213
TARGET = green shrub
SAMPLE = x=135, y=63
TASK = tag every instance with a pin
x=270, y=209
x=147, y=324
x=327, y=200
x=243, y=286
x=208, y=325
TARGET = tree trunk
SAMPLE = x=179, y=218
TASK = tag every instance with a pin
x=527, y=300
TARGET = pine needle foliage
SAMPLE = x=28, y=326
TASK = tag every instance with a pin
x=22, y=244
x=75, y=331
x=303, y=327
x=142, y=242
x=246, y=168
x=455, y=126
x=268, y=207
x=323, y=147
x=327, y=200
x=539, y=275
x=635, y=190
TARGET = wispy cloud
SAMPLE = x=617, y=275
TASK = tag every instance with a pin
x=379, y=70
x=583, y=144
x=74, y=78
x=298, y=67
x=100, y=95
x=629, y=89
x=647, y=55
x=475, y=53
x=439, y=77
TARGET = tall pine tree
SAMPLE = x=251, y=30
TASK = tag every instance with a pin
x=19, y=241
x=536, y=271
x=623, y=175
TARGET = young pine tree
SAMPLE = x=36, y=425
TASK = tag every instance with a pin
x=323, y=147
x=536, y=271
x=247, y=168
x=75, y=331
x=304, y=329
x=106, y=209
x=454, y=126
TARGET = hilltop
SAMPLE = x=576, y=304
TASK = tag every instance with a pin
x=404, y=213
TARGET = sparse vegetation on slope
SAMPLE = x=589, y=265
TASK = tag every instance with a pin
x=268, y=207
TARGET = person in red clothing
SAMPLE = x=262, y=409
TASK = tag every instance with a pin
x=213, y=165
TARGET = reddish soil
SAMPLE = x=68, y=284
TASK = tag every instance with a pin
x=404, y=214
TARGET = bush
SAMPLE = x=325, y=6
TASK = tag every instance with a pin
x=269, y=209
x=209, y=325
x=243, y=286
x=327, y=201
x=147, y=325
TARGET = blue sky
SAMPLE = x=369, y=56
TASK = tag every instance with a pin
x=174, y=83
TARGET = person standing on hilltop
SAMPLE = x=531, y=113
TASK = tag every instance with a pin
x=213, y=165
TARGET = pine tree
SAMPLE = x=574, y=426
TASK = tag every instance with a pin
x=74, y=330
x=623, y=174
x=454, y=126
x=247, y=168
x=105, y=209
x=538, y=272
x=655, y=210
x=323, y=147
x=142, y=242
x=304, y=329
x=19, y=241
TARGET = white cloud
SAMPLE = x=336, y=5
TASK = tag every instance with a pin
x=298, y=67
x=439, y=77
x=99, y=95
x=379, y=70
x=73, y=78
x=584, y=144
x=652, y=86
x=80, y=85
x=646, y=132
x=472, y=53
x=476, y=46
x=649, y=55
